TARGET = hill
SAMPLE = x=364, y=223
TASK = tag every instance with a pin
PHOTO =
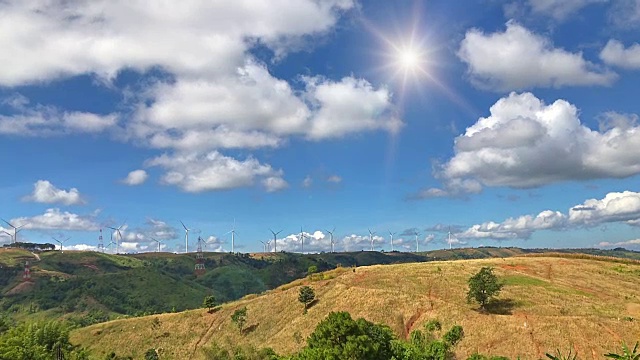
x=587, y=305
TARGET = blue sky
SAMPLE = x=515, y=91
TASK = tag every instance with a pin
x=514, y=123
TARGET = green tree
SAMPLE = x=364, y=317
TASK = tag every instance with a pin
x=338, y=337
x=239, y=317
x=151, y=354
x=312, y=270
x=306, y=296
x=454, y=335
x=209, y=302
x=483, y=286
x=38, y=341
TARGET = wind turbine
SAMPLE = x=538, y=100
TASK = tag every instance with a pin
x=15, y=230
x=60, y=242
x=269, y=245
x=158, y=241
x=118, y=236
x=449, y=238
x=264, y=245
x=275, y=242
x=186, y=237
x=302, y=236
x=233, y=236
x=391, y=235
x=331, y=234
x=371, y=238
x=416, y=233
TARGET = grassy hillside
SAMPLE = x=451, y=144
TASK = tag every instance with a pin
x=547, y=303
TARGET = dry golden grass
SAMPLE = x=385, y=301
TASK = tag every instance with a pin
x=557, y=303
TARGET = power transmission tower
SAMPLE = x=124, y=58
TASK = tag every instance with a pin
x=199, y=270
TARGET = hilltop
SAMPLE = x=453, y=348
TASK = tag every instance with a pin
x=584, y=304
x=87, y=287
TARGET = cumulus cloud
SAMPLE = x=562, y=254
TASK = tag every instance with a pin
x=335, y=179
x=45, y=192
x=629, y=243
x=214, y=244
x=355, y=242
x=349, y=106
x=614, y=207
x=54, y=219
x=315, y=241
x=80, y=247
x=615, y=53
x=307, y=182
x=213, y=93
x=625, y=14
x=560, y=9
x=214, y=171
x=198, y=37
x=42, y=120
x=135, y=177
x=520, y=59
x=512, y=147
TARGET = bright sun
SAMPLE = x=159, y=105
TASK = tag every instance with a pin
x=409, y=59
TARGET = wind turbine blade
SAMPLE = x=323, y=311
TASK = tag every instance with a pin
x=8, y=223
x=183, y=225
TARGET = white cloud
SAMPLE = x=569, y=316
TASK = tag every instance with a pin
x=349, y=106
x=214, y=244
x=512, y=146
x=516, y=228
x=560, y=9
x=54, y=219
x=614, y=53
x=307, y=182
x=135, y=177
x=630, y=243
x=519, y=59
x=355, y=242
x=313, y=242
x=213, y=94
x=48, y=41
x=625, y=14
x=334, y=179
x=274, y=183
x=79, y=247
x=51, y=121
x=45, y=192
x=614, y=207
x=214, y=171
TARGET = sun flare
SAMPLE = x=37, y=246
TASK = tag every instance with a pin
x=409, y=59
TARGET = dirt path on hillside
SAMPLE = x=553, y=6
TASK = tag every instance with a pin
x=412, y=320
x=202, y=336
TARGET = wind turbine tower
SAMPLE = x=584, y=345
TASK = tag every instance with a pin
x=371, y=238
x=449, y=241
x=264, y=245
x=233, y=236
x=157, y=241
x=118, y=237
x=60, y=242
x=186, y=237
x=275, y=241
x=302, y=236
x=332, y=242
x=391, y=235
x=15, y=230
x=416, y=234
